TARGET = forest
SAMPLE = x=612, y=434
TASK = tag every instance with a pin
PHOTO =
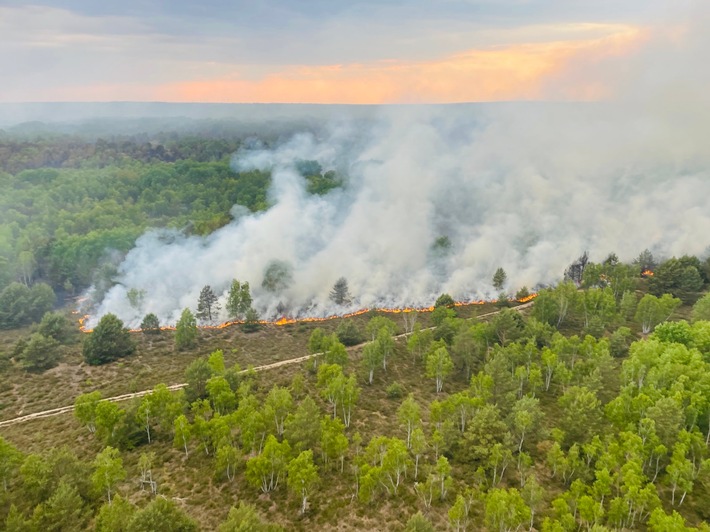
x=584, y=406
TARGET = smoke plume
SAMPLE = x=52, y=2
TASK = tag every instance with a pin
x=435, y=199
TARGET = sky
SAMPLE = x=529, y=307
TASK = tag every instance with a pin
x=331, y=51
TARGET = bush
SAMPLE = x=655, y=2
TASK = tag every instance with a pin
x=40, y=353
x=348, y=333
x=444, y=300
x=150, y=324
x=56, y=325
x=395, y=390
x=109, y=340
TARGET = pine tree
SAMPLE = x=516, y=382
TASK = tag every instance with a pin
x=340, y=294
x=499, y=279
x=207, y=305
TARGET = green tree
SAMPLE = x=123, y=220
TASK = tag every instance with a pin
x=162, y=515
x=334, y=443
x=85, y=409
x=10, y=460
x=679, y=277
x=438, y=366
x=652, y=310
x=40, y=353
x=701, y=309
x=63, y=511
x=302, y=477
x=251, y=321
x=499, y=279
x=150, y=324
x=302, y=428
x=108, y=471
x=524, y=418
x=227, y=458
x=115, y=517
x=186, y=330
x=371, y=359
x=418, y=523
x=340, y=294
x=349, y=333
x=108, y=341
x=410, y=416
x=56, y=325
x=278, y=405
x=266, y=470
x=245, y=518
x=207, y=306
x=278, y=276
x=505, y=510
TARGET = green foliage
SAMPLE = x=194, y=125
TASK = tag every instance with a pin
x=20, y=305
x=108, y=471
x=207, y=306
x=679, y=277
x=162, y=515
x=444, y=300
x=150, y=324
x=245, y=518
x=302, y=477
x=56, y=325
x=418, y=523
x=278, y=276
x=109, y=341
x=251, y=321
x=395, y=390
x=499, y=279
x=239, y=300
x=701, y=309
x=186, y=330
x=340, y=294
x=115, y=517
x=349, y=333
x=40, y=353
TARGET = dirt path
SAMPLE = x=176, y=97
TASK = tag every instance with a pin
x=127, y=396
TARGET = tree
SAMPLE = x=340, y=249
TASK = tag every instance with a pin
x=266, y=470
x=334, y=443
x=340, y=295
x=302, y=477
x=251, y=321
x=499, y=279
x=302, y=428
x=227, y=458
x=439, y=366
x=505, y=510
x=41, y=353
x=409, y=415
x=279, y=404
x=64, y=510
x=207, y=306
x=278, y=276
x=108, y=470
x=183, y=432
x=56, y=325
x=108, y=416
x=457, y=514
x=186, y=330
x=239, y=300
x=85, y=409
x=162, y=515
x=444, y=300
x=701, y=309
x=150, y=324
x=524, y=418
x=145, y=465
x=10, y=459
x=652, y=310
x=115, y=517
x=679, y=277
x=108, y=341
x=371, y=358
x=418, y=523
x=245, y=518
x=348, y=333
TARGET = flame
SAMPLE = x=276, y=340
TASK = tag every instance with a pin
x=647, y=273
x=284, y=320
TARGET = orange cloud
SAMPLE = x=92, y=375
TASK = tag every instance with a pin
x=517, y=72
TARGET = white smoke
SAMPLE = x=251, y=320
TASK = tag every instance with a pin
x=525, y=187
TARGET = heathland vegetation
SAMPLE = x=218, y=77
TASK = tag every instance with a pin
x=589, y=409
